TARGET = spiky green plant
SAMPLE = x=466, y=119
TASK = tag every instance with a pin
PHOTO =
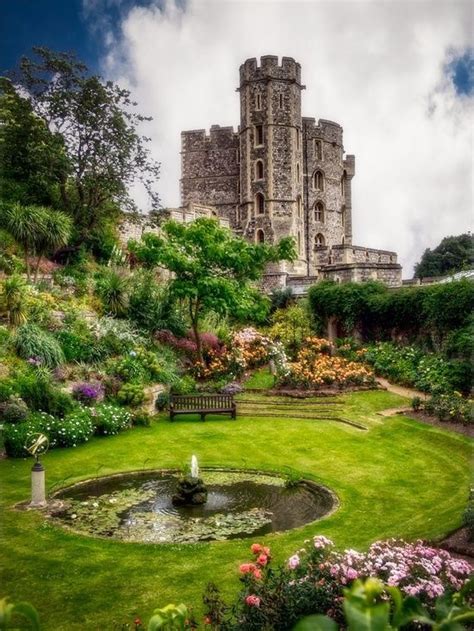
x=26, y=224
x=14, y=294
x=112, y=289
x=57, y=231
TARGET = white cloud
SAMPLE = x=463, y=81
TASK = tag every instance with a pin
x=377, y=68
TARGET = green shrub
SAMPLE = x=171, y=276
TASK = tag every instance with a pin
x=450, y=407
x=131, y=394
x=144, y=366
x=110, y=419
x=14, y=410
x=151, y=307
x=15, y=437
x=184, y=385
x=34, y=343
x=140, y=418
x=7, y=389
x=116, y=336
x=40, y=394
x=162, y=401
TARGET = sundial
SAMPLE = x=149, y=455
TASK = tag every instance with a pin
x=37, y=445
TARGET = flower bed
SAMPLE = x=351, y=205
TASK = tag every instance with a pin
x=314, y=579
x=315, y=368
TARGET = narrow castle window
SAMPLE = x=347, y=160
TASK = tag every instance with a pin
x=259, y=170
x=260, y=236
x=319, y=241
x=297, y=171
x=258, y=135
x=299, y=205
x=260, y=203
x=258, y=102
x=318, y=150
x=297, y=139
x=319, y=212
x=280, y=101
x=299, y=242
x=343, y=241
x=343, y=184
x=318, y=181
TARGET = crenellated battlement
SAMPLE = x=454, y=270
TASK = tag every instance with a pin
x=327, y=130
x=218, y=137
x=269, y=68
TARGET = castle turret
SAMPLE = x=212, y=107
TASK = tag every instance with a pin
x=271, y=153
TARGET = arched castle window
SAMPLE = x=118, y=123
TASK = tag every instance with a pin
x=297, y=171
x=260, y=203
x=318, y=181
x=258, y=135
x=260, y=236
x=319, y=241
x=318, y=150
x=258, y=101
x=343, y=240
x=259, y=170
x=319, y=212
x=297, y=138
x=299, y=206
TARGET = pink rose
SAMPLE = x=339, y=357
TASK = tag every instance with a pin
x=256, y=548
x=293, y=562
x=351, y=574
x=262, y=559
x=252, y=601
x=257, y=573
x=245, y=568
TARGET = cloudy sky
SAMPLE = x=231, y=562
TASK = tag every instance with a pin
x=397, y=75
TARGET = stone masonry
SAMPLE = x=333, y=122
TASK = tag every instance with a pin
x=279, y=175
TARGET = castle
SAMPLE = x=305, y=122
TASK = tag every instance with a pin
x=281, y=174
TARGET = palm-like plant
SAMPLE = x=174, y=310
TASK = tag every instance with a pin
x=14, y=294
x=26, y=224
x=57, y=231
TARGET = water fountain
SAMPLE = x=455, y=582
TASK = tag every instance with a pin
x=191, y=490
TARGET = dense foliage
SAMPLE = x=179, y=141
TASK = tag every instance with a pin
x=212, y=269
x=452, y=255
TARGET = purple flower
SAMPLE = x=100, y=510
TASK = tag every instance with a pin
x=87, y=392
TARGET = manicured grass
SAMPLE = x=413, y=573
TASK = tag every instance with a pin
x=399, y=478
x=260, y=380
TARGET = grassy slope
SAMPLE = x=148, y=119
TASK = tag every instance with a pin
x=400, y=478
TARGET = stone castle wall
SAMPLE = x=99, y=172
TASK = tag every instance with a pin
x=281, y=175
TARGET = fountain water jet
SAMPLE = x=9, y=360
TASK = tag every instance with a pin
x=191, y=490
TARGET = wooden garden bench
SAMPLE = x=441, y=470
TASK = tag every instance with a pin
x=202, y=404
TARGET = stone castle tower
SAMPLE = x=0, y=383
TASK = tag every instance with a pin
x=282, y=175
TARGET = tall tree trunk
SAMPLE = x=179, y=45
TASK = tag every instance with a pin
x=38, y=261
x=194, y=324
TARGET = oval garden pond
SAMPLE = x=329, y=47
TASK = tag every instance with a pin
x=139, y=507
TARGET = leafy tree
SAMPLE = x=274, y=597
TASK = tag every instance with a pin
x=96, y=120
x=452, y=255
x=33, y=158
x=212, y=269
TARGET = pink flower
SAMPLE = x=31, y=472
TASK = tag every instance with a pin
x=256, y=548
x=257, y=573
x=351, y=574
x=293, y=562
x=252, y=601
x=320, y=541
x=262, y=559
x=246, y=568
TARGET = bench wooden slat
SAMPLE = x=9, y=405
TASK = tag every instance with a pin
x=202, y=404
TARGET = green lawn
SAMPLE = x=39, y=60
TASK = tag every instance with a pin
x=398, y=478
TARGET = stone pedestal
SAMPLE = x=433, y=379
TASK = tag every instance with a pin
x=38, y=489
